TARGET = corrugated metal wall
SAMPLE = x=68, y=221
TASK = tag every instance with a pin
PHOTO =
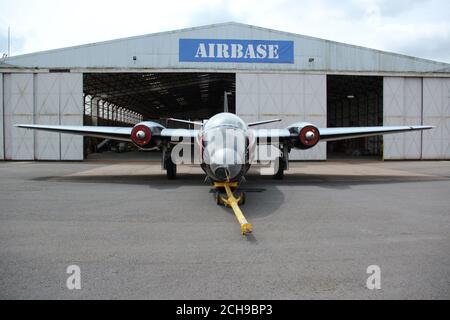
x=53, y=98
x=161, y=50
x=291, y=97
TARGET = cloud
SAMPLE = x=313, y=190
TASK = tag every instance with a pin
x=433, y=45
x=414, y=27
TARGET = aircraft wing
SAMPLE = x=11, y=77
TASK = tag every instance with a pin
x=333, y=134
x=114, y=133
x=265, y=136
x=179, y=133
x=270, y=133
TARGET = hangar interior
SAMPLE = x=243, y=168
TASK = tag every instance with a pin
x=355, y=101
x=124, y=99
x=161, y=95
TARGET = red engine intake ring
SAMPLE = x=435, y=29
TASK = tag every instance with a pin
x=302, y=136
x=142, y=142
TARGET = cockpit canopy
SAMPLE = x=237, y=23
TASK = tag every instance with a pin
x=227, y=120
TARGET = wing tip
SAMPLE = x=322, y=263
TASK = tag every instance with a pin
x=27, y=126
x=422, y=127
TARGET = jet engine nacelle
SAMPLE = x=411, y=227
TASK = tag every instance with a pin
x=306, y=135
x=143, y=134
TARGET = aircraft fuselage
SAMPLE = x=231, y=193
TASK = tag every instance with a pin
x=224, y=143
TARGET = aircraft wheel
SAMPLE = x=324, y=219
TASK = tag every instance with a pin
x=279, y=175
x=242, y=198
x=218, y=199
x=171, y=169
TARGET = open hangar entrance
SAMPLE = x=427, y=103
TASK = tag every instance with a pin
x=125, y=99
x=355, y=101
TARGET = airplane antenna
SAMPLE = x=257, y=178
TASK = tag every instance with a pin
x=225, y=101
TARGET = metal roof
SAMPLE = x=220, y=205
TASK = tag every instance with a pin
x=159, y=51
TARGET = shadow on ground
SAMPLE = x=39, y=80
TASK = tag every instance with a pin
x=263, y=192
x=253, y=183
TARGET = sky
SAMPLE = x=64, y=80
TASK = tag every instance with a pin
x=414, y=27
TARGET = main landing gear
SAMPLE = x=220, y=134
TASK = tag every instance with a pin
x=281, y=163
x=279, y=166
x=229, y=200
x=171, y=169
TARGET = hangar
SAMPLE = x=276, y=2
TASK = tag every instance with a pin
x=184, y=74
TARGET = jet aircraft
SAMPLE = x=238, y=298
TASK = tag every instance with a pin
x=226, y=144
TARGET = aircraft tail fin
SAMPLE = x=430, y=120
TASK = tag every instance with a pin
x=225, y=101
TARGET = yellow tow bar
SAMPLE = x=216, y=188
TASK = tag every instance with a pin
x=233, y=202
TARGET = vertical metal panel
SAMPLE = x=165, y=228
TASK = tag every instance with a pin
x=18, y=108
x=247, y=97
x=71, y=108
x=314, y=110
x=436, y=111
x=2, y=148
x=413, y=116
x=402, y=105
x=393, y=103
x=291, y=97
x=47, y=145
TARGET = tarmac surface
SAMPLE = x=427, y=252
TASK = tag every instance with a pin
x=136, y=235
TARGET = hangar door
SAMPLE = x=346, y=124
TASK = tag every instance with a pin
x=2, y=148
x=402, y=105
x=290, y=97
x=436, y=112
x=43, y=98
x=415, y=101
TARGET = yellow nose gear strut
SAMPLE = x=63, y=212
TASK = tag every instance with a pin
x=233, y=202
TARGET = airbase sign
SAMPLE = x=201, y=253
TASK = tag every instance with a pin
x=226, y=50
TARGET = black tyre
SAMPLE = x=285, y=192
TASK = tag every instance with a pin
x=217, y=198
x=279, y=175
x=243, y=196
x=171, y=169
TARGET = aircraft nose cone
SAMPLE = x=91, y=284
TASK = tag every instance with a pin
x=222, y=173
x=228, y=172
x=309, y=135
x=225, y=164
